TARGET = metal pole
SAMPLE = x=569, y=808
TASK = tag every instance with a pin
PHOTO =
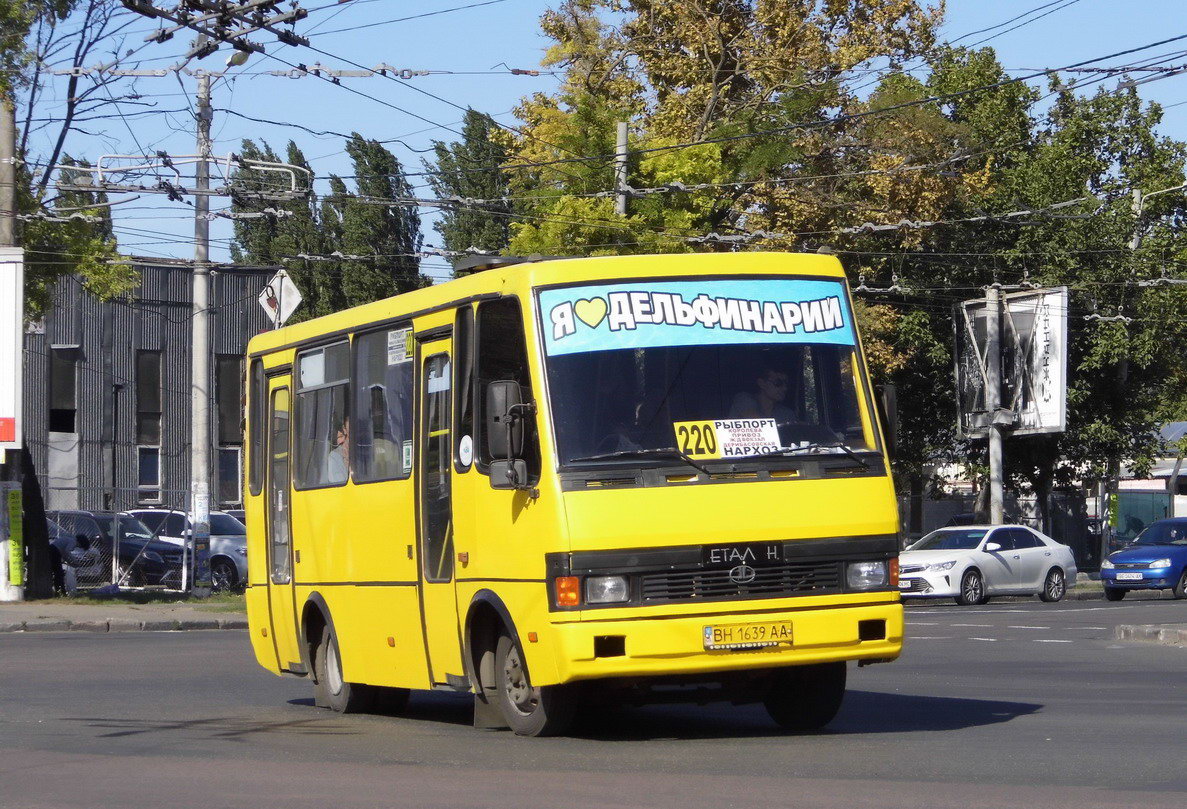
x=993, y=401
x=200, y=353
x=620, y=157
x=7, y=174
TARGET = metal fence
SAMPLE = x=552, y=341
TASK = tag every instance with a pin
x=101, y=547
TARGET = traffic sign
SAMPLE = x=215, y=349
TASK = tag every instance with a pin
x=280, y=298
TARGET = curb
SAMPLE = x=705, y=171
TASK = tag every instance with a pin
x=1164, y=635
x=123, y=625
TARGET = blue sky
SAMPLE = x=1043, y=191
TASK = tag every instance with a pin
x=473, y=41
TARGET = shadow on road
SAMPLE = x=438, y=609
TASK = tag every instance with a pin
x=228, y=728
x=864, y=712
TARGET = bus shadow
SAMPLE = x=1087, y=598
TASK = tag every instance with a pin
x=864, y=712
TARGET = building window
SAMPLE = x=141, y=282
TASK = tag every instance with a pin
x=230, y=482
x=148, y=398
x=323, y=426
x=382, y=424
x=63, y=389
x=148, y=479
x=228, y=391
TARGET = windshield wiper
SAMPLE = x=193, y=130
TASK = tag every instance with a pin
x=791, y=452
x=644, y=452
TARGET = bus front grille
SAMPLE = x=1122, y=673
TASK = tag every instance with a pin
x=788, y=579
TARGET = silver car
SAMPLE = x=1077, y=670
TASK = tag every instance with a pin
x=228, y=542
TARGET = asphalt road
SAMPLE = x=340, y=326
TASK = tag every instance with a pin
x=1009, y=705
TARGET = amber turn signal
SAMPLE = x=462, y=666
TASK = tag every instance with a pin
x=894, y=571
x=568, y=591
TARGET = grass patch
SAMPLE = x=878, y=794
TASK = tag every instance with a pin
x=217, y=602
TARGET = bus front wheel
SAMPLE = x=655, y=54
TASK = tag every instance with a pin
x=529, y=711
x=332, y=689
x=804, y=698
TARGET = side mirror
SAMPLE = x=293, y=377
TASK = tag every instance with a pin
x=888, y=412
x=992, y=547
x=509, y=474
x=504, y=420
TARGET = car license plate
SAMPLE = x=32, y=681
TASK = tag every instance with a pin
x=904, y=584
x=748, y=636
x=1129, y=577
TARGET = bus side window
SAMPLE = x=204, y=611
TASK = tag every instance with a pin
x=381, y=427
x=503, y=354
x=256, y=426
x=463, y=388
x=323, y=426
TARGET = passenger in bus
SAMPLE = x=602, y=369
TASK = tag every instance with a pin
x=768, y=401
x=338, y=459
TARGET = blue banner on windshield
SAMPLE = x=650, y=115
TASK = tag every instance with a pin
x=652, y=314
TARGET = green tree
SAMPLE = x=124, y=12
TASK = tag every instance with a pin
x=471, y=168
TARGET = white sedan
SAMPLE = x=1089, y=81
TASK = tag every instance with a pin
x=973, y=562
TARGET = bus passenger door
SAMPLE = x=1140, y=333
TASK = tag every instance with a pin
x=434, y=494
x=281, y=605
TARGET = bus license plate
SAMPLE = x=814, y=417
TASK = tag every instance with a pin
x=748, y=636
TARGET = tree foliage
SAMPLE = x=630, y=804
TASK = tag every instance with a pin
x=352, y=222
x=797, y=113
x=471, y=169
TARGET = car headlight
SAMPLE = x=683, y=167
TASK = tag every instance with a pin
x=153, y=556
x=1161, y=563
x=607, y=590
x=1107, y=565
x=942, y=565
x=866, y=575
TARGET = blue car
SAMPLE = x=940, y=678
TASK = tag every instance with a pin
x=1156, y=560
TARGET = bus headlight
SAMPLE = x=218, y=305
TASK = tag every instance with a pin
x=866, y=575
x=607, y=590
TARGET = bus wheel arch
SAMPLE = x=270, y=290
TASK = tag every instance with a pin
x=487, y=619
x=315, y=617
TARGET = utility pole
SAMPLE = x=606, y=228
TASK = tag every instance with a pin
x=12, y=555
x=620, y=180
x=200, y=353
x=993, y=357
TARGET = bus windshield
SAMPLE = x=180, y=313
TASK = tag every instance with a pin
x=717, y=369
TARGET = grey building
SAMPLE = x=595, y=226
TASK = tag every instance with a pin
x=107, y=389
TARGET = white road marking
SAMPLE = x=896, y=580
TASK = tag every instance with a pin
x=925, y=623
x=992, y=639
x=978, y=626
x=1027, y=627
x=1049, y=640
x=929, y=637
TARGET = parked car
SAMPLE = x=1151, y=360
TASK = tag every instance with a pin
x=228, y=542
x=973, y=563
x=238, y=514
x=88, y=541
x=1155, y=560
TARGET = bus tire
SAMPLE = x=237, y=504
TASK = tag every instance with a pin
x=806, y=698
x=540, y=711
x=338, y=694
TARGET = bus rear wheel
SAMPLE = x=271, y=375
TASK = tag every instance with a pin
x=804, y=698
x=332, y=689
x=529, y=711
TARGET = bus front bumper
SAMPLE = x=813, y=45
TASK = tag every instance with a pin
x=676, y=644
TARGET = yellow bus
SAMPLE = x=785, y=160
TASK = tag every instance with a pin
x=556, y=483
